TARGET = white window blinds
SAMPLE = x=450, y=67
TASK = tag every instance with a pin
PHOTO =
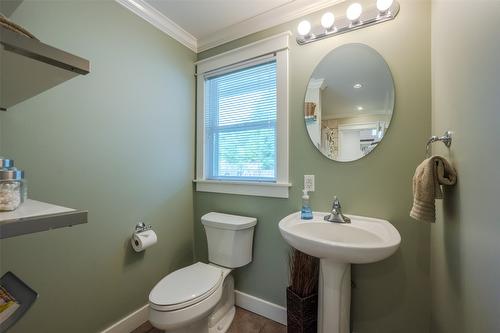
x=240, y=124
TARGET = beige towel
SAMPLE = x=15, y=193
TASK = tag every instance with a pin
x=429, y=176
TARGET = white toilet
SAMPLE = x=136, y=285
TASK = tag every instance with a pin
x=200, y=298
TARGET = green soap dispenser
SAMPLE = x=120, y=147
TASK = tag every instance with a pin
x=305, y=211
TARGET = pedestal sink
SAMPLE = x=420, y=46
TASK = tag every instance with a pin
x=364, y=240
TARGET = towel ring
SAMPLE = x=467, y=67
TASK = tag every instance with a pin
x=446, y=139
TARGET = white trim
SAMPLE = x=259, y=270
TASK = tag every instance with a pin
x=200, y=129
x=358, y=126
x=250, y=63
x=279, y=46
x=130, y=322
x=248, y=302
x=261, y=307
x=271, y=18
x=260, y=48
x=282, y=122
x=319, y=84
x=160, y=21
x=354, y=115
x=261, y=189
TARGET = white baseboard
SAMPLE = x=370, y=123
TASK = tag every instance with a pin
x=130, y=322
x=245, y=301
x=260, y=307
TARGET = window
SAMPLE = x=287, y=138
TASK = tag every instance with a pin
x=242, y=125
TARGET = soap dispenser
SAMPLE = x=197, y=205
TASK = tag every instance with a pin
x=305, y=212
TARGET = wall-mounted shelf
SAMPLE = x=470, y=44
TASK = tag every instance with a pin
x=36, y=216
x=29, y=67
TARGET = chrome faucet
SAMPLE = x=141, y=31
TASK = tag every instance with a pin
x=336, y=215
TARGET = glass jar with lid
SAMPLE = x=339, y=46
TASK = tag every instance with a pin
x=6, y=163
x=12, y=188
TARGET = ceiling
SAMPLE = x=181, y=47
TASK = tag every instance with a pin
x=203, y=18
x=203, y=24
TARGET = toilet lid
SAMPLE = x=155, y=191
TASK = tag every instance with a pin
x=187, y=285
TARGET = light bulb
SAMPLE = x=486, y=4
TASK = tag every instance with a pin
x=327, y=20
x=359, y=108
x=354, y=12
x=384, y=5
x=304, y=28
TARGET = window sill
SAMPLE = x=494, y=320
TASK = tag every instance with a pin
x=260, y=189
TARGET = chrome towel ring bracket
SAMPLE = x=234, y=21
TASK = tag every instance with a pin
x=446, y=139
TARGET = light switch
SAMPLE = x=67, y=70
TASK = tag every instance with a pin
x=309, y=183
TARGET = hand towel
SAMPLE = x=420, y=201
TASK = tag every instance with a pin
x=429, y=176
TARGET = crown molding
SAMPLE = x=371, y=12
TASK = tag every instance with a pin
x=271, y=18
x=160, y=21
x=263, y=21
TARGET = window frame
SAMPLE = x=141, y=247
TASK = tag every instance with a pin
x=273, y=47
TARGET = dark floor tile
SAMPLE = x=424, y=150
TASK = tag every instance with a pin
x=155, y=330
x=245, y=322
x=273, y=327
x=249, y=322
x=144, y=328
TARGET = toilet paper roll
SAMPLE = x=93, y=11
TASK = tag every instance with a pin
x=142, y=240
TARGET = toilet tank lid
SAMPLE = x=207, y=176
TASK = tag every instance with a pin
x=228, y=221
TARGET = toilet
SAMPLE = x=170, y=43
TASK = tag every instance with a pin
x=200, y=298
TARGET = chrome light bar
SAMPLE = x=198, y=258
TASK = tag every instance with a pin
x=354, y=19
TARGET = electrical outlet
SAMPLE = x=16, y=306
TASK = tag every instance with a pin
x=309, y=183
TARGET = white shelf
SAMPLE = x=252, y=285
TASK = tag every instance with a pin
x=33, y=208
x=31, y=67
x=35, y=216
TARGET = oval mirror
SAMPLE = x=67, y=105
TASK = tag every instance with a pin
x=349, y=102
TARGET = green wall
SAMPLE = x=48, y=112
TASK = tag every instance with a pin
x=392, y=295
x=118, y=142
x=465, y=269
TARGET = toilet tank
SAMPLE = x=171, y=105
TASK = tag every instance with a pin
x=229, y=238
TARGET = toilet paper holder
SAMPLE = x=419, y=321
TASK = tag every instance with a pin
x=141, y=226
x=143, y=237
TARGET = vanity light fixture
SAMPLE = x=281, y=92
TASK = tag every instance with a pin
x=384, y=5
x=357, y=86
x=356, y=17
x=354, y=12
x=304, y=28
x=328, y=20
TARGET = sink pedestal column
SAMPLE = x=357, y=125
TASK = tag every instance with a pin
x=334, y=297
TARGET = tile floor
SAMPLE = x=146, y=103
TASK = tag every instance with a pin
x=244, y=322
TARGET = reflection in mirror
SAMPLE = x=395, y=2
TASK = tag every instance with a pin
x=349, y=102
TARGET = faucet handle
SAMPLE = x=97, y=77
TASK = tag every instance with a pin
x=336, y=202
x=336, y=215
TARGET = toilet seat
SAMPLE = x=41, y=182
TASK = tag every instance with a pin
x=185, y=287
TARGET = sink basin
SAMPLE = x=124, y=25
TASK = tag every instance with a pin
x=364, y=240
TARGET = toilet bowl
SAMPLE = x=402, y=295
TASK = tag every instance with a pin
x=200, y=298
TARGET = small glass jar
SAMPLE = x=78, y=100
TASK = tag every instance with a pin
x=12, y=189
x=6, y=163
